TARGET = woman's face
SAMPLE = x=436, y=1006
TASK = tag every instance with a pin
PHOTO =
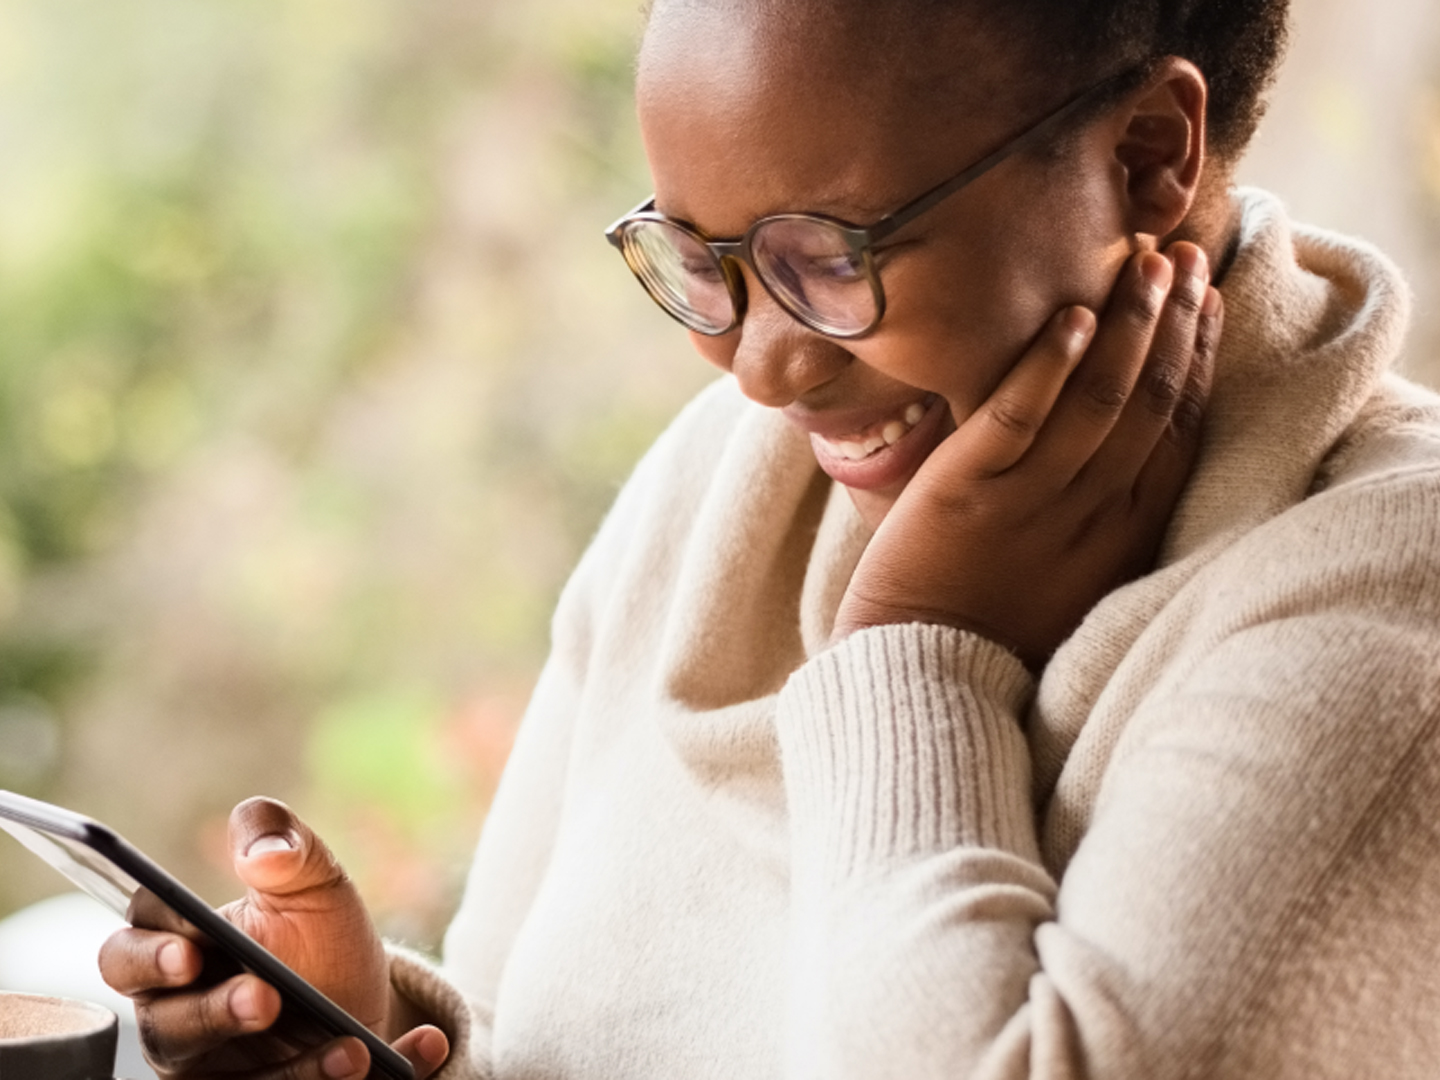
x=746, y=114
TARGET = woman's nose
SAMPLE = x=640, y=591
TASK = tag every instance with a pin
x=776, y=360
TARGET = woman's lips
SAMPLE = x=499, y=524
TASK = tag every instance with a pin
x=893, y=447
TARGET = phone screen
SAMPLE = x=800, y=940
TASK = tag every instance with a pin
x=107, y=867
x=94, y=873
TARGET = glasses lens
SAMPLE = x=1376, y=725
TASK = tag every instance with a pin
x=809, y=266
x=682, y=274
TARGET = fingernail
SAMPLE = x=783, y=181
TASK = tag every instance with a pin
x=1078, y=322
x=1210, y=306
x=264, y=845
x=1157, y=272
x=1191, y=262
x=171, y=959
x=243, y=1005
x=341, y=1061
x=433, y=1047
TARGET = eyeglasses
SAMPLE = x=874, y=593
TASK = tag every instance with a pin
x=818, y=268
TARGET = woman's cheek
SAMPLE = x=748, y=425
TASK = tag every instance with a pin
x=957, y=334
x=953, y=358
x=719, y=351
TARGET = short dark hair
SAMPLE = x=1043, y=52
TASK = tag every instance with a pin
x=1237, y=44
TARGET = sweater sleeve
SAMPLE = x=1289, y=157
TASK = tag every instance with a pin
x=1262, y=860
x=916, y=886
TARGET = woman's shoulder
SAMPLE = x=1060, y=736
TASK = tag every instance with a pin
x=718, y=439
x=1373, y=515
x=1394, y=440
x=1365, y=542
x=723, y=468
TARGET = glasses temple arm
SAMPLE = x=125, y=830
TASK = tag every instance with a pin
x=902, y=217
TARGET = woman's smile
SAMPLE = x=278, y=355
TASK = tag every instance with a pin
x=872, y=449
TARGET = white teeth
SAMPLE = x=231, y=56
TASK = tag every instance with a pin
x=889, y=435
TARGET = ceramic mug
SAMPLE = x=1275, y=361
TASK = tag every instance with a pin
x=50, y=1038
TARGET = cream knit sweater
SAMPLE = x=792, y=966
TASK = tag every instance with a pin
x=1206, y=844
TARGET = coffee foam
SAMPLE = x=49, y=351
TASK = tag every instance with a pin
x=26, y=1016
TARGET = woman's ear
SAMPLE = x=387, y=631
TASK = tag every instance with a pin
x=1161, y=147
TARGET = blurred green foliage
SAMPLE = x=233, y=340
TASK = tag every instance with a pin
x=315, y=376
x=381, y=752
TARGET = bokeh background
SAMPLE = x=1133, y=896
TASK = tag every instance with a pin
x=316, y=375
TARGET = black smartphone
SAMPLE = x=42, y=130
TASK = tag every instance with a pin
x=99, y=861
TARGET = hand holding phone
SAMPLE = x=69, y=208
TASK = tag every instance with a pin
x=262, y=988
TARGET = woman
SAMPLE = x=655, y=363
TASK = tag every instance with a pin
x=913, y=714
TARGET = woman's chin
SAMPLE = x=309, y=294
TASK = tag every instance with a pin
x=872, y=506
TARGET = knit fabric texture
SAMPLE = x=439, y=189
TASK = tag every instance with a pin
x=1205, y=844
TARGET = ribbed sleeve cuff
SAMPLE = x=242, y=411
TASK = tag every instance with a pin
x=902, y=741
x=443, y=1005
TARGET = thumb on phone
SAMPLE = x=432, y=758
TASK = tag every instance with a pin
x=276, y=854
x=301, y=906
